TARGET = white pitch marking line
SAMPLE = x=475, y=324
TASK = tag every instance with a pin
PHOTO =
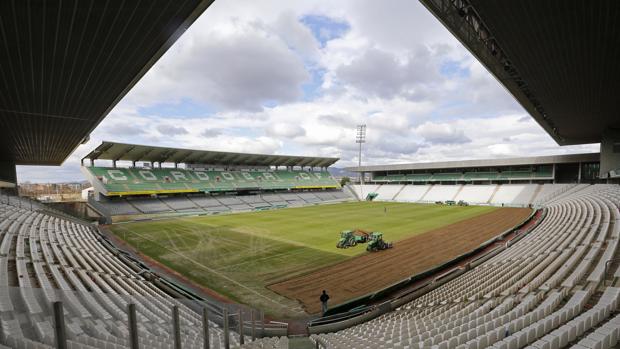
x=209, y=269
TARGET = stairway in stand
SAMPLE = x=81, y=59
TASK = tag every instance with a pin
x=300, y=343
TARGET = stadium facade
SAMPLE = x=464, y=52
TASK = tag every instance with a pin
x=570, y=168
x=156, y=180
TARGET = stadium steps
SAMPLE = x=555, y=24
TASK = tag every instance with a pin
x=399, y=191
x=607, y=331
x=549, y=318
x=553, y=190
x=195, y=202
x=427, y=191
x=536, y=192
x=167, y=205
x=387, y=192
x=457, y=193
x=300, y=343
x=66, y=257
x=132, y=205
x=568, y=193
x=594, y=299
x=376, y=191
x=352, y=192
x=493, y=195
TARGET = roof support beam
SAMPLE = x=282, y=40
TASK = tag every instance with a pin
x=463, y=21
x=133, y=152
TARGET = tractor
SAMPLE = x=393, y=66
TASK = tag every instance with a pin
x=350, y=238
x=361, y=236
x=376, y=242
x=347, y=239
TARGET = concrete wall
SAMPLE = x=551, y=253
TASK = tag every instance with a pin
x=610, y=159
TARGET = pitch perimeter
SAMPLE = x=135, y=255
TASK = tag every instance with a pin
x=240, y=255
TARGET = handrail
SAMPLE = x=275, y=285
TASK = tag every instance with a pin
x=340, y=316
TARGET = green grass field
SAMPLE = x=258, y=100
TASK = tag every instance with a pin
x=237, y=255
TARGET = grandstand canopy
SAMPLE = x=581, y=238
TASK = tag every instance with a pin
x=558, y=58
x=521, y=161
x=133, y=152
x=65, y=64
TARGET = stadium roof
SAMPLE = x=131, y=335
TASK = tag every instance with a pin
x=558, y=58
x=521, y=161
x=65, y=64
x=133, y=152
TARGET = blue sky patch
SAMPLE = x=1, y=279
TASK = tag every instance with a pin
x=312, y=88
x=325, y=28
x=453, y=69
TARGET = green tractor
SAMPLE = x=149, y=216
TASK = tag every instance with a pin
x=350, y=238
x=376, y=242
x=361, y=236
x=347, y=239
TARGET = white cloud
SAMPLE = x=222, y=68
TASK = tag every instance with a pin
x=210, y=133
x=383, y=74
x=241, y=70
x=285, y=130
x=171, y=130
x=249, y=62
x=441, y=133
x=296, y=35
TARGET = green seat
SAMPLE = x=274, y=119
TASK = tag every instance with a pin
x=166, y=180
x=172, y=186
x=116, y=187
x=447, y=176
x=515, y=175
x=419, y=177
x=542, y=172
x=471, y=176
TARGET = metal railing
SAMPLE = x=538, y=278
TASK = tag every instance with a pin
x=35, y=317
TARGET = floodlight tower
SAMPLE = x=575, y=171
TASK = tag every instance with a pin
x=360, y=138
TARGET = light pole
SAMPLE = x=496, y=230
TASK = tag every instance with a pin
x=360, y=138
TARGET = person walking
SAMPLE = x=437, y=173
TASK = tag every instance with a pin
x=324, y=298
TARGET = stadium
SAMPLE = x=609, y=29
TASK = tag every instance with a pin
x=193, y=248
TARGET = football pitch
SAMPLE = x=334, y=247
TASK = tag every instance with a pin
x=239, y=255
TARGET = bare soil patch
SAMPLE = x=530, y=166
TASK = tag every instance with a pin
x=373, y=271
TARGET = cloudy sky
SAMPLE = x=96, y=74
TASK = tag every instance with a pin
x=296, y=77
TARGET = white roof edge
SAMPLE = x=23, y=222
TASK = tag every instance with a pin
x=518, y=161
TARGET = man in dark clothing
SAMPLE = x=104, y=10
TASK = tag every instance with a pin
x=324, y=298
